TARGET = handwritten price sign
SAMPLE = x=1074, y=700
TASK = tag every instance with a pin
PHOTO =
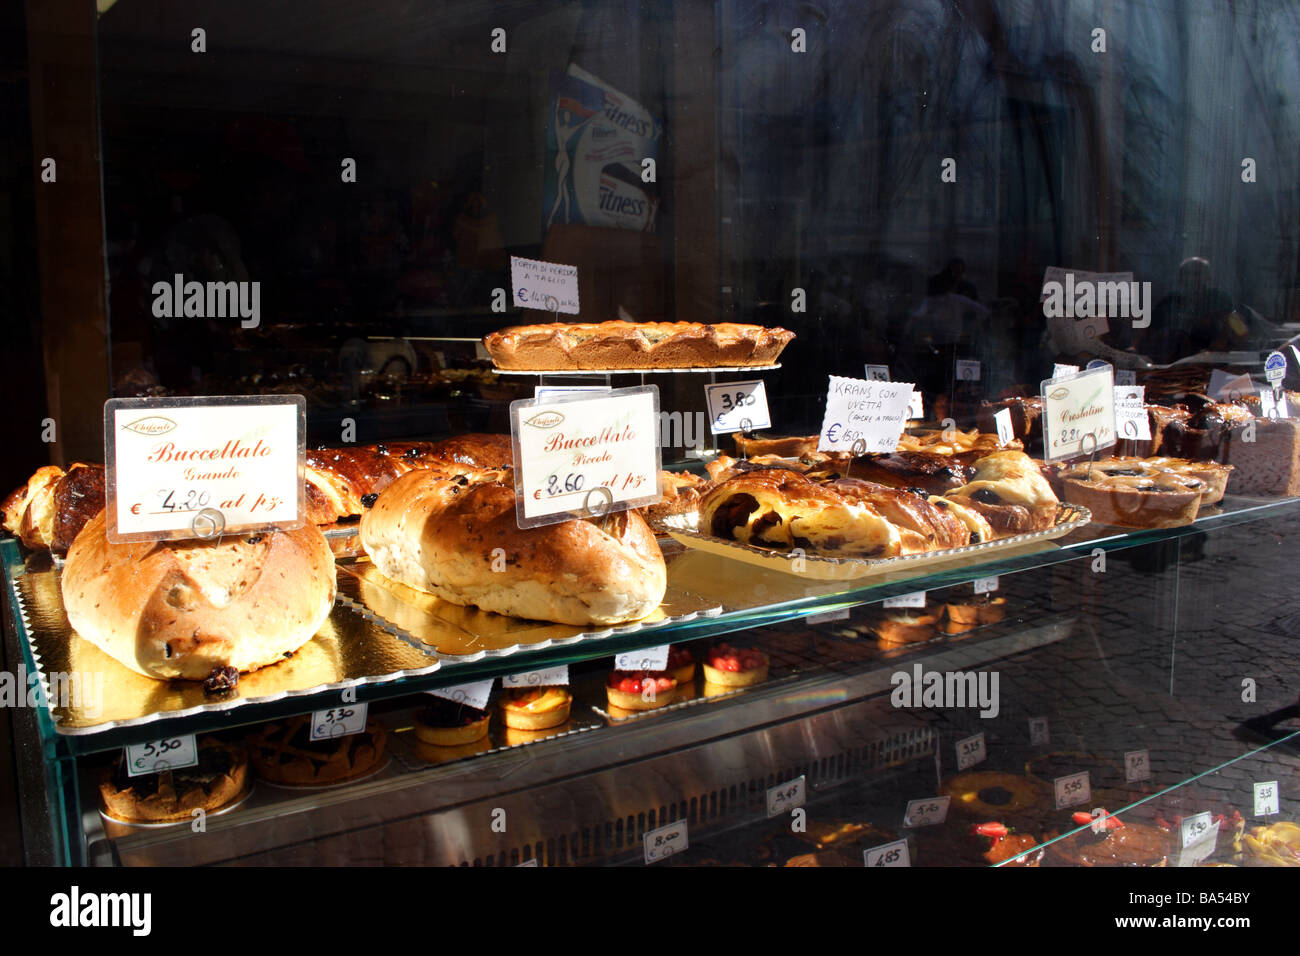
x=786, y=796
x=970, y=751
x=199, y=467
x=551, y=677
x=1137, y=766
x=585, y=457
x=888, y=854
x=338, y=721
x=927, y=812
x=737, y=406
x=1073, y=789
x=1079, y=414
x=155, y=756
x=664, y=842
x=873, y=413
x=472, y=695
x=645, y=659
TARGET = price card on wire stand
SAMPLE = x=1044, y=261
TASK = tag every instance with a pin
x=864, y=417
x=1078, y=414
x=876, y=373
x=661, y=843
x=341, y=721
x=1131, y=419
x=737, y=406
x=557, y=676
x=1006, y=431
x=474, y=694
x=167, y=753
x=585, y=457
x=970, y=751
x=204, y=466
x=1039, y=733
x=1137, y=766
x=785, y=797
x=644, y=659
x=888, y=854
x=551, y=286
x=1200, y=836
x=926, y=812
x=968, y=370
x=1072, y=789
x=1266, y=801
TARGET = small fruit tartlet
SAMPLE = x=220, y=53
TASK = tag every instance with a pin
x=735, y=667
x=641, y=690
x=447, y=723
x=535, y=708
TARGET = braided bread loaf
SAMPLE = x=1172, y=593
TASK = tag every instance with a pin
x=53, y=506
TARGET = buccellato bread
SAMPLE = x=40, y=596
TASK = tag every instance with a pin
x=179, y=609
x=460, y=540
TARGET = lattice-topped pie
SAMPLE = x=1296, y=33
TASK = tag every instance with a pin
x=283, y=752
x=617, y=344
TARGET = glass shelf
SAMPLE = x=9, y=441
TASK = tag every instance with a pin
x=749, y=597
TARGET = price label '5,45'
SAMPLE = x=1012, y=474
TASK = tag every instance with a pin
x=785, y=797
x=737, y=406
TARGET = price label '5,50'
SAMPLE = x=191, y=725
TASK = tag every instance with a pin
x=155, y=756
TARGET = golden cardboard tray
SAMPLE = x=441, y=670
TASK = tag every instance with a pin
x=459, y=634
x=92, y=692
x=685, y=529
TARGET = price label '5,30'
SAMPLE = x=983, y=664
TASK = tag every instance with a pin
x=155, y=756
x=663, y=842
x=341, y=721
x=737, y=406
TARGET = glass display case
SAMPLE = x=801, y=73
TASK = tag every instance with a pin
x=987, y=641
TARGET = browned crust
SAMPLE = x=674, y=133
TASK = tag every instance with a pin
x=1128, y=507
x=175, y=799
x=793, y=447
x=618, y=344
x=276, y=759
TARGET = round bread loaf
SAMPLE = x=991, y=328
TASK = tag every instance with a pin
x=461, y=541
x=172, y=609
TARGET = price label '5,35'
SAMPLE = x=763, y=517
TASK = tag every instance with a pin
x=155, y=756
x=737, y=406
x=970, y=751
x=341, y=721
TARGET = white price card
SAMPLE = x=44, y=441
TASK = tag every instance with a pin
x=341, y=721
x=585, y=457
x=545, y=393
x=1125, y=376
x=1064, y=371
x=1272, y=404
x=1137, y=766
x=912, y=599
x=877, y=373
x=1006, y=431
x=968, y=370
x=1131, y=419
x=915, y=406
x=550, y=677
x=827, y=616
x=1039, y=733
x=927, y=812
x=888, y=854
x=1275, y=367
x=1200, y=835
x=1072, y=789
x=201, y=467
x=986, y=585
x=529, y=862
x=550, y=286
x=644, y=659
x=167, y=753
x=1266, y=800
x=737, y=406
x=663, y=842
x=970, y=751
x=873, y=413
x=785, y=797
x=1229, y=388
x=1078, y=414
x=474, y=694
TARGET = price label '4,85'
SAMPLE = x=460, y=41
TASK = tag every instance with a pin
x=888, y=854
x=970, y=751
x=737, y=406
x=663, y=842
